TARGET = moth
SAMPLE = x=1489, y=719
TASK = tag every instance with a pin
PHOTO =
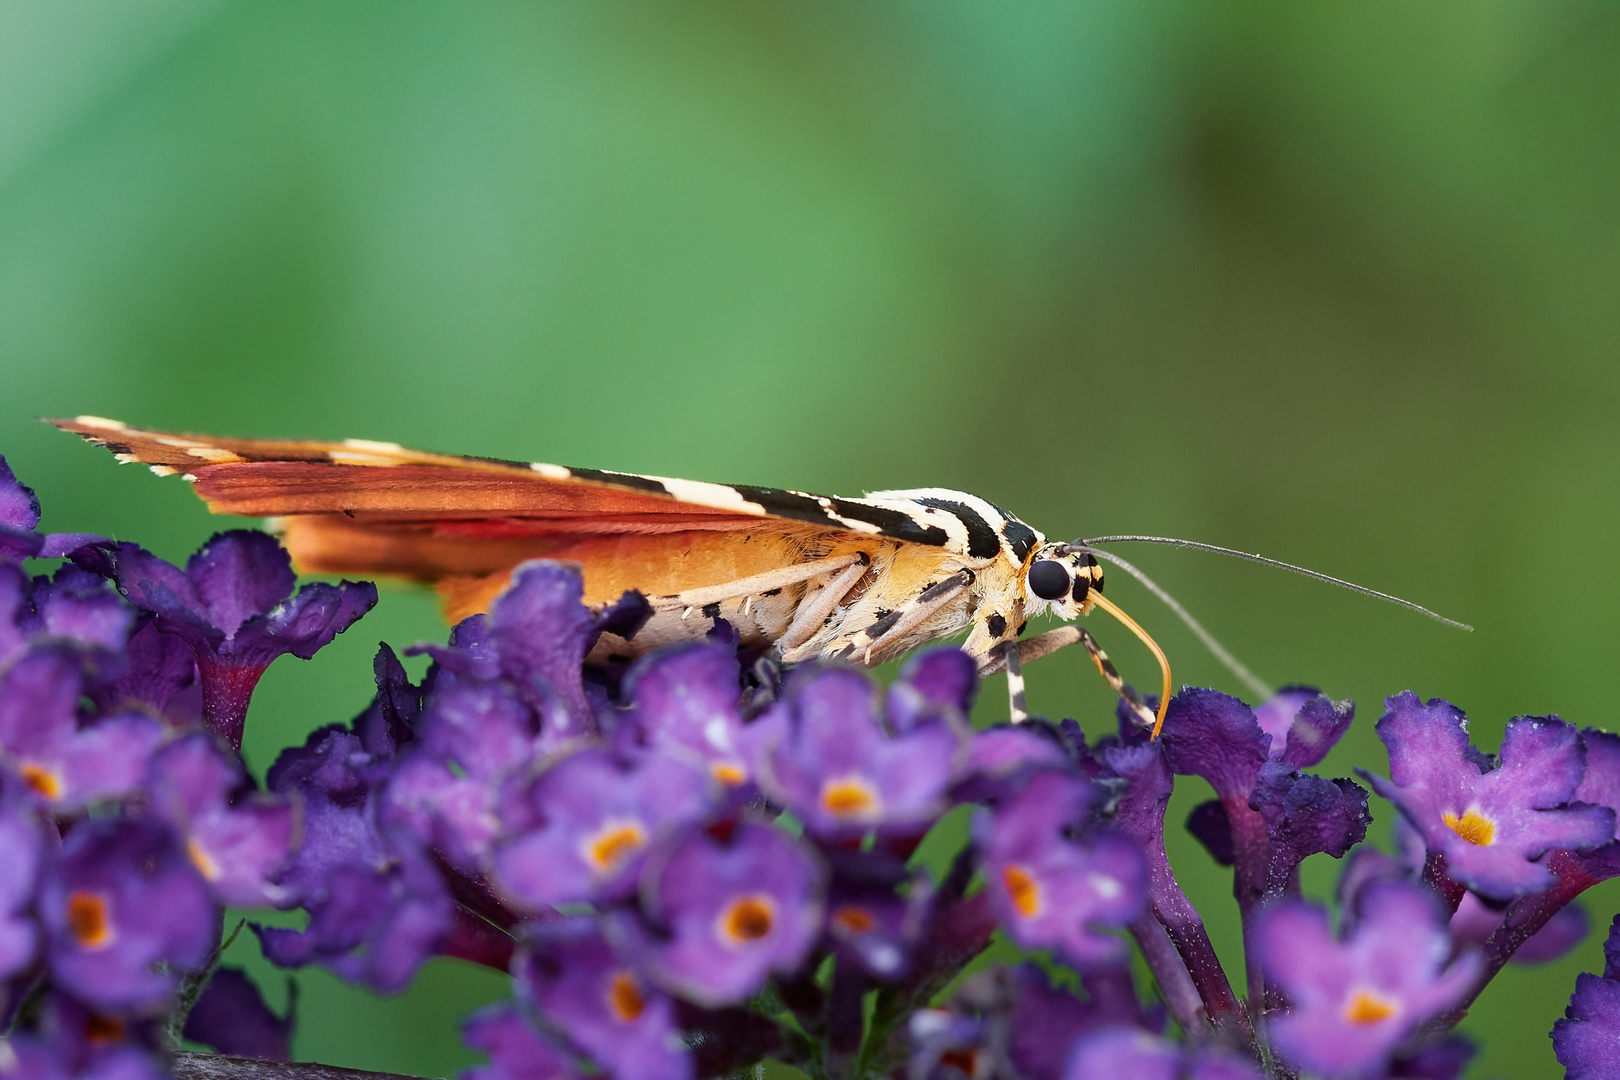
x=799, y=576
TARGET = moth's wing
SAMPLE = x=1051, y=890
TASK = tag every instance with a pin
x=359, y=507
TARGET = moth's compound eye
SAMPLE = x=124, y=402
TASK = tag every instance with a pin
x=1049, y=579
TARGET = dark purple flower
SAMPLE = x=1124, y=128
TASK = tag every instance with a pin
x=728, y=914
x=1585, y=1040
x=232, y=1018
x=22, y=846
x=377, y=905
x=937, y=684
x=833, y=765
x=541, y=631
x=471, y=736
x=516, y=1051
x=1492, y=825
x=238, y=839
x=876, y=911
x=591, y=998
x=19, y=516
x=580, y=831
x=1355, y=1000
x=1304, y=724
x=1045, y=1020
x=1050, y=890
x=234, y=605
x=161, y=676
x=68, y=765
x=1306, y=815
x=120, y=900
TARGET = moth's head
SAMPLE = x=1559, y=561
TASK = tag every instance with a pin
x=1061, y=580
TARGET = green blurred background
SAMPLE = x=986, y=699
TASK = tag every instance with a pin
x=1332, y=282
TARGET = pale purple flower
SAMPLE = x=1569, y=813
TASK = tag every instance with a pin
x=1355, y=1000
x=1050, y=889
x=516, y=1051
x=725, y=915
x=1492, y=825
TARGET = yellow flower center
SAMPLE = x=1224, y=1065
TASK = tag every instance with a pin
x=849, y=797
x=747, y=919
x=614, y=844
x=1365, y=1008
x=728, y=773
x=205, y=865
x=625, y=1000
x=1473, y=827
x=87, y=919
x=1023, y=889
x=45, y=782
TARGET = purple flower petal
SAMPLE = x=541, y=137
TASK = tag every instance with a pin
x=19, y=506
x=1049, y=890
x=599, y=1004
x=581, y=830
x=237, y=839
x=22, y=847
x=1491, y=825
x=542, y=630
x=1214, y=735
x=838, y=771
x=516, y=1051
x=1122, y=1052
x=734, y=913
x=120, y=899
x=232, y=1018
x=1474, y=923
x=686, y=699
x=1355, y=1000
x=1306, y=815
x=934, y=684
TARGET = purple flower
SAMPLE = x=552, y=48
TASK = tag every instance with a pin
x=1474, y=923
x=686, y=701
x=237, y=838
x=1304, y=724
x=835, y=768
x=119, y=901
x=936, y=684
x=876, y=911
x=516, y=1051
x=1585, y=1039
x=161, y=677
x=1355, y=1000
x=42, y=740
x=591, y=998
x=19, y=516
x=1045, y=1021
x=72, y=607
x=377, y=905
x=22, y=846
x=728, y=914
x=1049, y=890
x=471, y=735
x=1001, y=757
x=1112, y=1052
x=1492, y=825
x=72, y=1042
x=580, y=830
x=232, y=1018
x=945, y=1045
x=234, y=605
x=1306, y=815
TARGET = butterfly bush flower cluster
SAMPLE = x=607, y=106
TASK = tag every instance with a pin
x=699, y=861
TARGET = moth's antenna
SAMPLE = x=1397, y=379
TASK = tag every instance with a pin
x=1248, y=678
x=1279, y=564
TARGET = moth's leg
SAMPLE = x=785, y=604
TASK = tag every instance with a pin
x=759, y=583
x=895, y=624
x=1050, y=642
x=1017, y=707
x=810, y=617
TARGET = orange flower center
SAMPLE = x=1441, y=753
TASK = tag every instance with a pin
x=87, y=919
x=853, y=920
x=103, y=1029
x=728, y=773
x=849, y=797
x=1473, y=827
x=747, y=919
x=1365, y=1008
x=205, y=865
x=614, y=844
x=964, y=1061
x=624, y=998
x=45, y=782
x=1023, y=889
